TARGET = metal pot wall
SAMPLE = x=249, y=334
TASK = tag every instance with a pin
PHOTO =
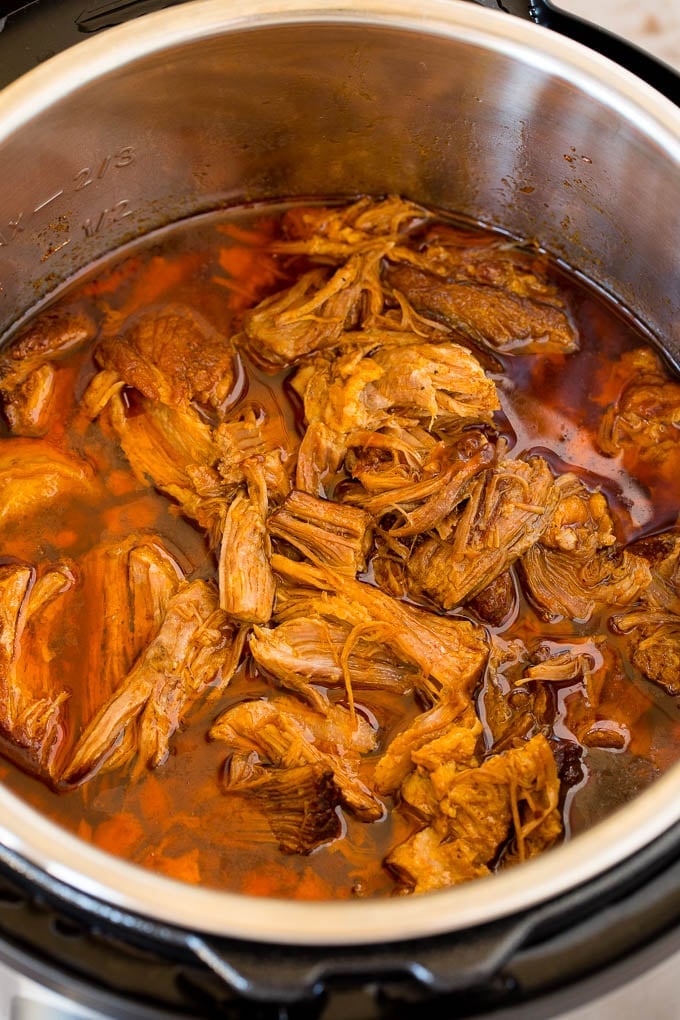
x=210, y=104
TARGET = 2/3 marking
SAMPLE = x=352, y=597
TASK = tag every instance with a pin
x=89, y=174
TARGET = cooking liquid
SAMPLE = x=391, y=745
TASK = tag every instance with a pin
x=175, y=819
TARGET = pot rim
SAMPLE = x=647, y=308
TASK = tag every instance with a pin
x=54, y=79
x=82, y=867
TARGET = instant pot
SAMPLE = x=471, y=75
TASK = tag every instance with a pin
x=521, y=117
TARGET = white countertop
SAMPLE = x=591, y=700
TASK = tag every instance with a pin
x=654, y=25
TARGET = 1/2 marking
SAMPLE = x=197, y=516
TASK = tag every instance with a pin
x=107, y=217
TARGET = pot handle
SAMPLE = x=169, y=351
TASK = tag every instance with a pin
x=474, y=965
x=652, y=70
x=470, y=962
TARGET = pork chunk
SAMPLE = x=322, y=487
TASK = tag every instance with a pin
x=31, y=699
x=174, y=449
x=246, y=580
x=450, y=653
x=313, y=314
x=416, y=383
x=653, y=627
x=645, y=417
x=509, y=507
x=286, y=734
x=49, y=337
x=326, y=532
x=326, y=650
x=576, y=566
x=300, y=803
x=424, y=496
x=195, y=648
x=355, y=394
x=492, y=315
x=173, y=356
x=474, y=810
x=130, y=581
x=337, y=233
x=30, y=405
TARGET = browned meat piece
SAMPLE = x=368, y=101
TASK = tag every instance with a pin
x=327, y=533
x=576, y=566
x=653, y=627
x=15, y=584
x=31, y=704
x=451, y=715
x=219, y=478
x=245, y=575
x=513, y=713
x=100, y=391
x=391, y=457
x=645, y=417
x=154, y=577
x=449, y=652
x=320, y=455
x=336, y=233
x=260, y=439
x=509, y=507
x=354, y=394
x=49, y=337
x=456, y=747
x=173, y=356
x=496, y=603
x=562, y=585
x=300, y=803
x=580, y=524
x=194, y=649
x=327, y=650
x=655, y=645
x=423, y=498
x=29, y=406
x=473, y=810
x=435, y=383
x=199, y=467
x=173, y=448
x=421, y=383
x=662, y=553
x=427, y=861
x=130, y=582
x=506, y=320
x=408, y=466
x=468, y=255
x=35, y=474
x=285, y=734
x=313, y=314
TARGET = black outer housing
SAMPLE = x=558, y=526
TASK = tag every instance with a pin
x=531, y=965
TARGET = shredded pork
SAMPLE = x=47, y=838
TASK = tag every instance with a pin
x=371, y=521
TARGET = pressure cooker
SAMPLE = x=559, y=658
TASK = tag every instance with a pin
x=119, y=118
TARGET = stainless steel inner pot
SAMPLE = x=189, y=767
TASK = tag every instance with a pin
x=215, y=103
